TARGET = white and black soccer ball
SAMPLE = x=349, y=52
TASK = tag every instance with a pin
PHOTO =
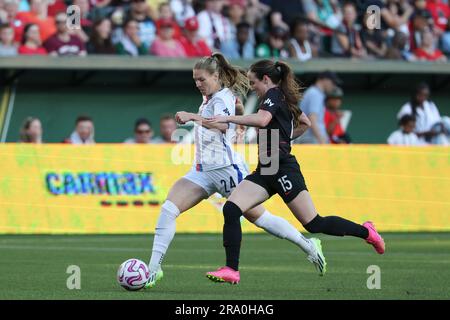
x=133, y=274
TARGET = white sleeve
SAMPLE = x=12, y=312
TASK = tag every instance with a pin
x=394, y=138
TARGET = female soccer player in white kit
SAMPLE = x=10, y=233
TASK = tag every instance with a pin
x=217, y=168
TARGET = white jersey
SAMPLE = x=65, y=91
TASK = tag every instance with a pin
x=213, y=149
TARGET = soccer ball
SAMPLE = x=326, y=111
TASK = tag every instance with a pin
x=133, y=274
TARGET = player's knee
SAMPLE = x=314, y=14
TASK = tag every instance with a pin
x=170, y=209
x=315, y=225
x=231, y=212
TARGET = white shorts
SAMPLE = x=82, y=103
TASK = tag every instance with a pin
x=222, y=180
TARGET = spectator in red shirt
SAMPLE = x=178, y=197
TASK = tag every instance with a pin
x=63, y=43
x=165, y=13
x=31, y=42
x=38, y=15
x=333, y=117
x=193, y=45
x=427, y=51
x=165, y=45
x=440, y=13
x=11, y=7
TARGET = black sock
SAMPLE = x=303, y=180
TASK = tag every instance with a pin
x=336, y=226
x=232, y=234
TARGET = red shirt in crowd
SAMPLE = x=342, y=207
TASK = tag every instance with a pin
x=331, y=117
x=197, y=49
x=47, y=27
x=440, y=13
x=422, y=54
x=71, y=48
x=27, y=50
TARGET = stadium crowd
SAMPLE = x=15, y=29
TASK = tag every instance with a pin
x=405, y=30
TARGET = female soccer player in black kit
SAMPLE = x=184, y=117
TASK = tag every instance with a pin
x=278, y=114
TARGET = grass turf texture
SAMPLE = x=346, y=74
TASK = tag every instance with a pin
x=415, y=266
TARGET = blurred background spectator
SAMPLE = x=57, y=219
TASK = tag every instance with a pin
x=63, y=42
x=300, y=47
x=7, y=46
x=427, y=50
x=347, y=40
x=430, y=128
x=165, y=44
x=100, y=41
x=31, y=42
x=167, y=125
x=31, y=131
x=84, y=131
x=215, y=28
x=193, y=45
x=276, y=45
x=405, y=134
x=333, y=117
x=240, y=47
x=245, y=29
x=143, y=132
x=129, y=42
x=313, y=105
x=38, y=14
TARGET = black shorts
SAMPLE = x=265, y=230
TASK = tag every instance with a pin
x=288, y=182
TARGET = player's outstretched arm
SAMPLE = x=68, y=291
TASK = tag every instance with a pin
x=260, y=119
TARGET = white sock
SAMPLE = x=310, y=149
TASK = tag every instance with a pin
x=281, y=228
x=164, y=233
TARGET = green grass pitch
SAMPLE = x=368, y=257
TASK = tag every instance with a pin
x=415, y=266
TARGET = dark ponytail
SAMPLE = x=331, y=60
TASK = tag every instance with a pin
x=281, y=74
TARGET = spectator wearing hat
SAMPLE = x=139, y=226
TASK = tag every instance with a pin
x=241, y=47
x=333, y=116
x=193, y=45
x=276, y=46
x=165, y=13
x=313, y=105
x=440, y=12
x=165, y=45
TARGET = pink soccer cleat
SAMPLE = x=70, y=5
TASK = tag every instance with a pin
x=224, y=274
x=374, y=238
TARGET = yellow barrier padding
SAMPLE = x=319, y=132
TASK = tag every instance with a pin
x=119, y=188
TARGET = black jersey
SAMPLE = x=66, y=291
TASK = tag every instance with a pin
x=282, y=119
